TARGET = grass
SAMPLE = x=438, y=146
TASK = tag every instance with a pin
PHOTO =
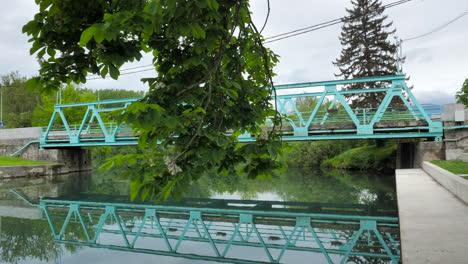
x=367, y=157
x=14, y=161
x=454, y=166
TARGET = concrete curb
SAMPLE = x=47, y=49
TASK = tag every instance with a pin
x=453, y=183
x=30, y=171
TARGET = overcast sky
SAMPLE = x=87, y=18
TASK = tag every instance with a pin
x=437, y=64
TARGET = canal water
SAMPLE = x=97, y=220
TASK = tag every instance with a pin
x=300, y=216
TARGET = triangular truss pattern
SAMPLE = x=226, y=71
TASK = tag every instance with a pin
x=363, y=120
x=92, y=127
x=272, y=234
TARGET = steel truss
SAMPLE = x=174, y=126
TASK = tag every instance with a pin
x=331, y=118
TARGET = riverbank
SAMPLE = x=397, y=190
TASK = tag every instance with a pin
x=15, y=161
x=13, y=167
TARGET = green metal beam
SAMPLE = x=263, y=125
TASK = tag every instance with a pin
x=341, y=82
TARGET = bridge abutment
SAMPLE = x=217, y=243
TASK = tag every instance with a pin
x=411, y=154
x=71, y=159
x=455, y=118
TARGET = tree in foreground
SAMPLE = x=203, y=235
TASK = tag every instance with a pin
x=213, y=76
x=462, y=95
x=367, y=51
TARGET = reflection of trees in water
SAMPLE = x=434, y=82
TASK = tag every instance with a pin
x=382, y=187
x=304, y=185
x=22, y=239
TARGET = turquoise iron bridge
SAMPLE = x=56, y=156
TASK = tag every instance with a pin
x=228, y=231
x=330, y=116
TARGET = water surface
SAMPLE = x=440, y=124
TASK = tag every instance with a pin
x=26, y=236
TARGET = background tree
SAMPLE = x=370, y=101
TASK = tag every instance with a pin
x=366, y=49
x=213, y=76
x=73, y=94
x=42, y=113
x=18, y=102
x=462, y=95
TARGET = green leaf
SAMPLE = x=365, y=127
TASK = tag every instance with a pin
x=36, y=46
x=197, y=31
x=86, y=36
x=104, y=71
x=114, y=72
x=32, y=83
x=41, y=53
x=51, y=51
x=135, y=187
x=152, y=7
x=99, y=36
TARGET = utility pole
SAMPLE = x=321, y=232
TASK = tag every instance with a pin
x=1, y=107
x=399, y=55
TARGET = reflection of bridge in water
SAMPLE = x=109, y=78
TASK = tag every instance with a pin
x=332, y=116
x=223, y=230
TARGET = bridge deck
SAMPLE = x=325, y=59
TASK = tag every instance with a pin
x=433, y=222
x=408, y=129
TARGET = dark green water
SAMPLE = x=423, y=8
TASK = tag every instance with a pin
x=26, y=236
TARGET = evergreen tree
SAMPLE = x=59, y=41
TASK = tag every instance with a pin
x=366, y=49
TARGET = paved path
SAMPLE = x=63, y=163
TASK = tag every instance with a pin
x=433, y=222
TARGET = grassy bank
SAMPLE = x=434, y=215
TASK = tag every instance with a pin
x=14, y=161
x=454, y=166
x=366, y=157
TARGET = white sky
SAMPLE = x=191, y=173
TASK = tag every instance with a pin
x=437, y=64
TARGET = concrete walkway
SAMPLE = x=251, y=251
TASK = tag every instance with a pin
x=433, y=222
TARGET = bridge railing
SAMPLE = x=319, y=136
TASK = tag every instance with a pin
x=364, y=115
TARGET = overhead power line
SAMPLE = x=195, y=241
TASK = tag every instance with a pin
x=270, y=39
x=127, y=69
x=125, y=73
x=315, y=27
x=439, y=27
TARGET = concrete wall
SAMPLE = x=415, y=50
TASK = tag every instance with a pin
x=428, y=151
x=453, y=183
x=456, y=139
x=29, y=171
x=12, y=134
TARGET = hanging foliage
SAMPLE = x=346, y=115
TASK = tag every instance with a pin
x=213, y=76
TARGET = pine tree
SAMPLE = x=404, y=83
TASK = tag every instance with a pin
x=367, y=51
